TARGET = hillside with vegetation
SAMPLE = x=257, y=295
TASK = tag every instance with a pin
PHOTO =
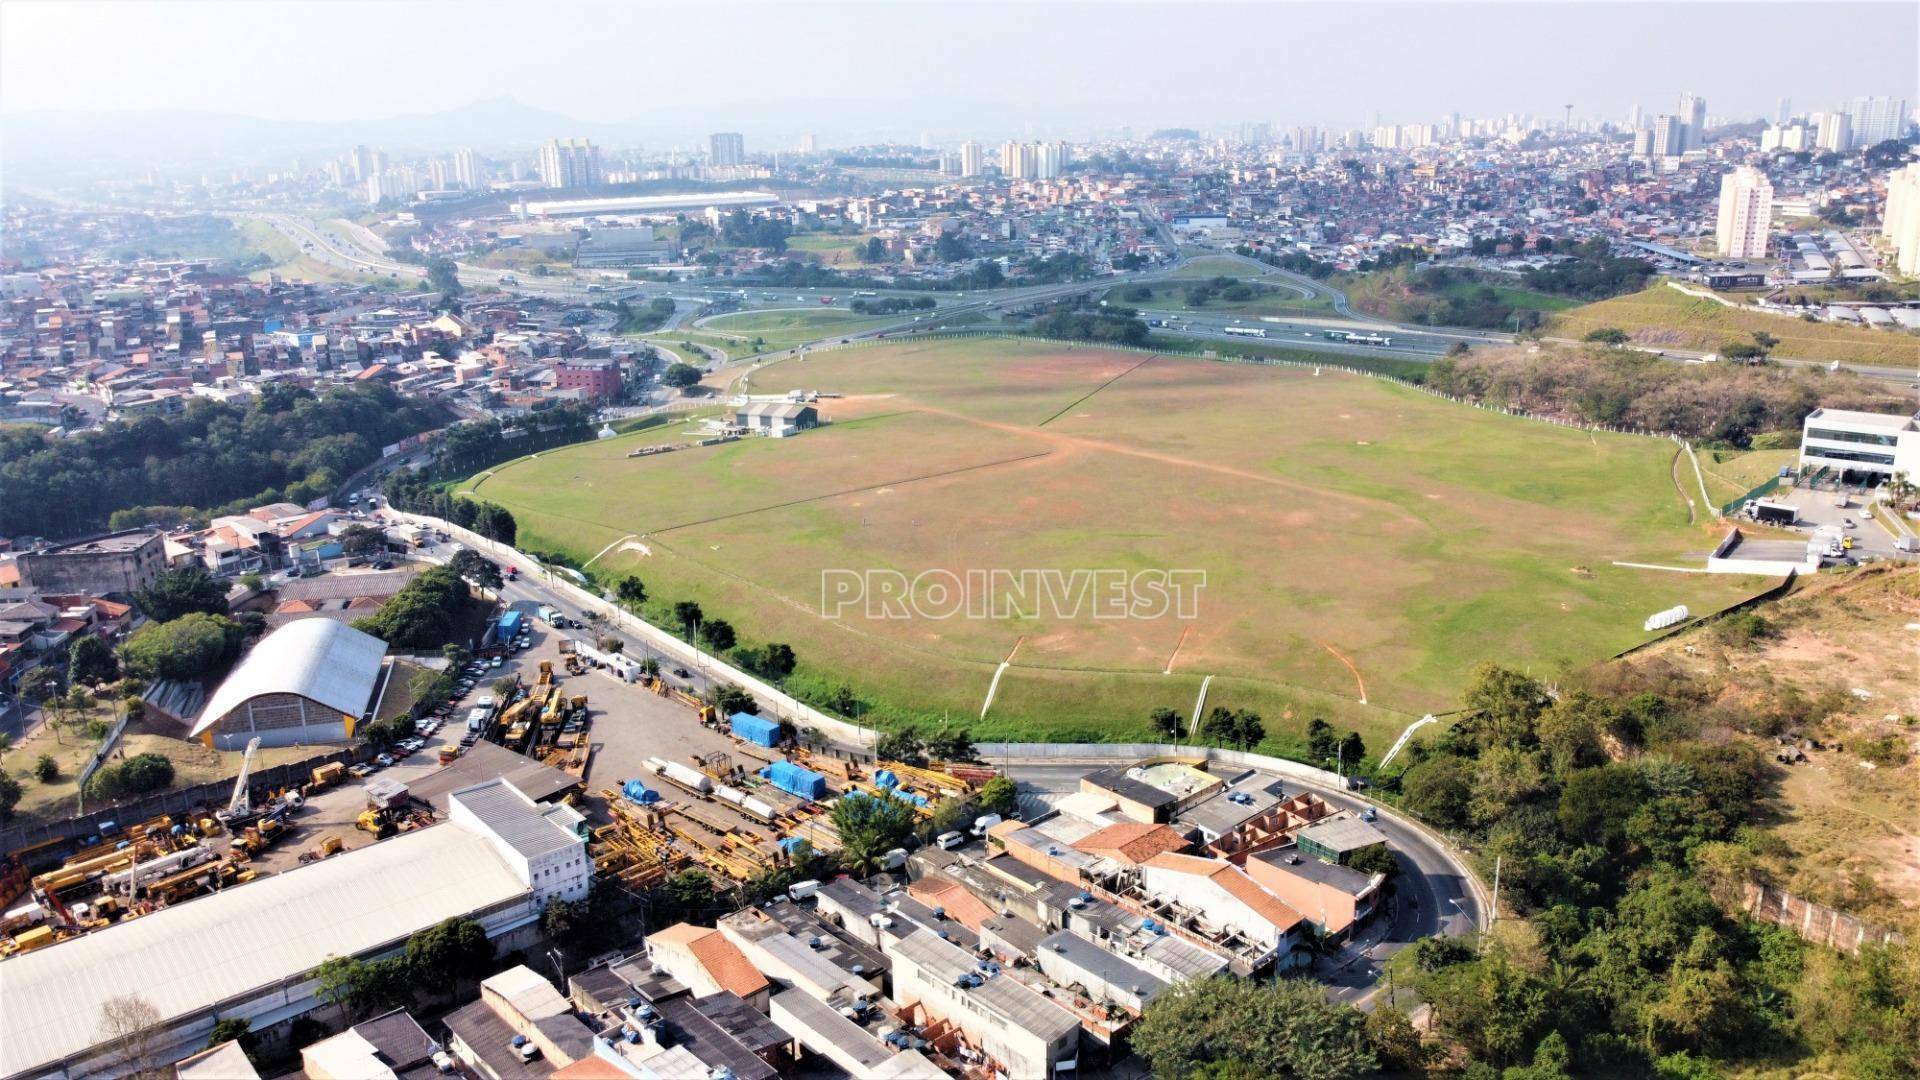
x=288, y=444
x=1661, y=317
x=1732, y=404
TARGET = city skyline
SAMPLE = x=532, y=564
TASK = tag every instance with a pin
x=1273, y=68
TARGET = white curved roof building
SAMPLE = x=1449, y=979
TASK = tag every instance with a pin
x=310, y=681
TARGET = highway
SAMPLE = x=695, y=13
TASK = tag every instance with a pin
x=1417, y=343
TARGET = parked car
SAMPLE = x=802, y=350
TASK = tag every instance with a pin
x=384, y=760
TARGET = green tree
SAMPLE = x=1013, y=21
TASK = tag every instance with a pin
x=869, y=827
x=1166, y=722
x=234, y=1029
x=89, y=661
x=999, y=796
x=1351, y=751
x=443, y=277
x=631, y=591
x=718, y=634
x=687, y=614
x=680, y=376
x=903, y=745
x=46, y=769
x=476, y=568
x=189, y=647
x=1439, y=789
x=1321, y=740
x=731, y=699
x=1288, y=1028
x=777, y=661
x=1374, y=860
x=1502, y=705
x=9, y=796
x=181, y=592
x=449, y=952
x=1607, y=335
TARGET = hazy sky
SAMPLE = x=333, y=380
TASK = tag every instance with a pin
x=1111, y=63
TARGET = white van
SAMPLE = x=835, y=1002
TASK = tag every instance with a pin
x=951, y=840
x=984, y=822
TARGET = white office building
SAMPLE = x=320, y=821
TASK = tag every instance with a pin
x=1900, y=224
x=1846, y=441
x=543, y=843
x=1746, y=210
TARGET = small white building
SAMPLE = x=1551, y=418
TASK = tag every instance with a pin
x=545, y=843
x=1861, y=442
x=778, y=419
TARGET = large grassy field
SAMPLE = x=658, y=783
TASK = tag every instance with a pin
x=1661, y=316
x=1352, y=532
x=784, y=328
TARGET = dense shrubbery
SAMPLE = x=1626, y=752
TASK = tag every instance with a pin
x=893, y=305
x=137, y=775
x=286, y=445
x=1720, y=402
x=1079, y=320
x=422, y=614
x=190, y=647
x=1622, y=813
x=417, y=495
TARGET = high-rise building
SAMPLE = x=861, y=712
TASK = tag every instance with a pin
x=1643, y=142
x=1784, y=112
x=1305, y=139
x=439, y=174
x=1877, y=119
x=809, y=144
x=360, y=163
x=1900, y=224
x=1791, y=138
x=571, y=164
x=1016, y=160
x=1049, y=160
x=973, y=158
x=1669, y=136
x=1836, y=132
x=1693, y=118
x=726, y=148
x=1746, y=210
x=466, y=171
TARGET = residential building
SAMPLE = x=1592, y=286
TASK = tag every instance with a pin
x=1669, y=136
x=599, y=380
x=1337, y=839
x=726, y=148
x=707, y=962
x=973, y=159
x=466, y=171
x=1026, y=1034
x=1900, y=223
x=1224, y=902
x=521, y=1028
x=116, y=563
x=1693, y=117
x=1746, y=213
x=1337, y=900
x=391, y=1045
x=1877, y=119
x=1836, y=132
x=1017, y=160
x=572, y=164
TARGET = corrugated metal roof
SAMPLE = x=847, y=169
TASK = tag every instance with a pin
x=326, y=661
x=188, y=957
x=525, y=826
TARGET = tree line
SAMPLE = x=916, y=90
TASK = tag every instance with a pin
x=288, y=444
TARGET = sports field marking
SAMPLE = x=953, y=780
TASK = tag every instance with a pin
x=849, y=491
x=1401, y=742
x=1184, y=631
x=994, y=686
x=1350, y=667
x=604, y=550
x=1096, y=390
x=1321, y=494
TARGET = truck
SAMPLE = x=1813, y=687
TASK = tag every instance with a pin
x=548, y=614
x=1246, y=331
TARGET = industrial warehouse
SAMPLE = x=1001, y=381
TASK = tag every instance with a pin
x=248, y=952
x=310, y=681
x=1028, y=946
